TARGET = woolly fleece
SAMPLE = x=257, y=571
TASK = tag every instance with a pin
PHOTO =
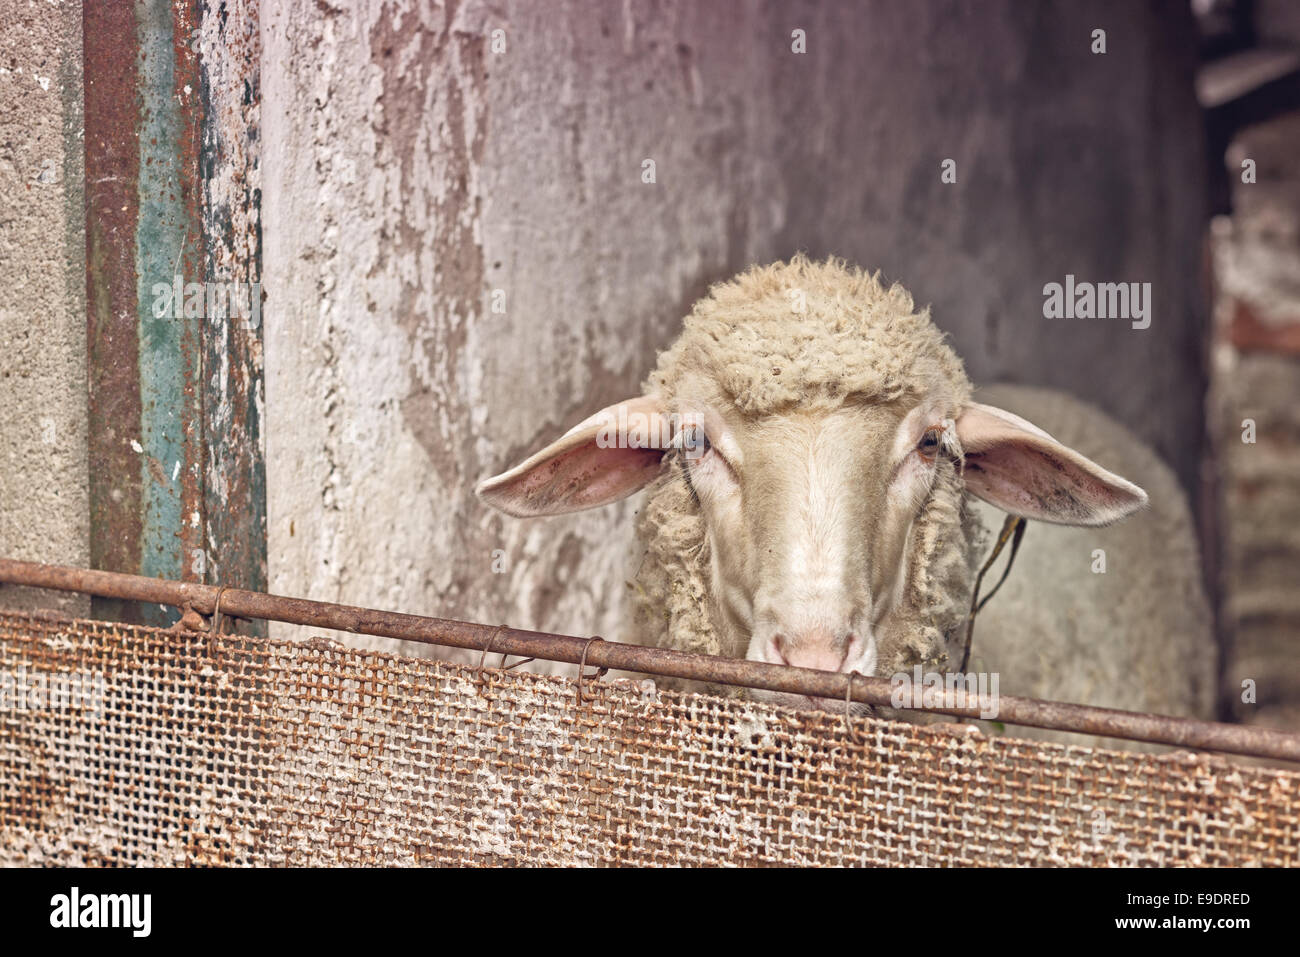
x=1137, y=638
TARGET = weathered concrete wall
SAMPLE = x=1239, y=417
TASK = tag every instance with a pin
x=44, y=514
x=411, y=172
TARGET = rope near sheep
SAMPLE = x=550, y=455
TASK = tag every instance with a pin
x=1014, y=529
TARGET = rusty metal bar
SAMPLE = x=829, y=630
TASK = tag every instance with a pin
x=1053, y=715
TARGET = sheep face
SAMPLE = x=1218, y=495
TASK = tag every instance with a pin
x=817, y=519
x=807, y=516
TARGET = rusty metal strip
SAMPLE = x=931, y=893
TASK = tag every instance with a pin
x=1053, y=715
x=177, y=487
x=112, y=165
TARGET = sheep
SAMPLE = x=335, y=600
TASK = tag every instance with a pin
x=822, y=487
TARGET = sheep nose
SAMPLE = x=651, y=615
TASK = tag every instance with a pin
x=816, y=653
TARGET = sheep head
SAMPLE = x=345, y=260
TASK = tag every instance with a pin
x=811, y=440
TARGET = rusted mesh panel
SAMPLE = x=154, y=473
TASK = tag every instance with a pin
x=247, y=751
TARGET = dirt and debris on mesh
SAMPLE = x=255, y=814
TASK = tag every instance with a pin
x=245, y=751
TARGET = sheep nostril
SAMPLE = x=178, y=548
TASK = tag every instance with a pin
x=777, y=642
x=860, y=654
x=852, y=650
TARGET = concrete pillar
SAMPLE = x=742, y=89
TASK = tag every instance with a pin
x=44, y=513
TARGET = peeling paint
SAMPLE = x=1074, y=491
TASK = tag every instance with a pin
x=233, y=469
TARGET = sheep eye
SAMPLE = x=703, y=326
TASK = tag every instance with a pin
x=695, y=442
x=930, y=441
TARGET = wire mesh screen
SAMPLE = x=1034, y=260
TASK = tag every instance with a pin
x=170, y=748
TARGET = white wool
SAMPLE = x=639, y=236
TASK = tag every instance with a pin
x=1151, y=649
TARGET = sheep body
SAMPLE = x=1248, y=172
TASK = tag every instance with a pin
x=828, y=359
x=1136, y=636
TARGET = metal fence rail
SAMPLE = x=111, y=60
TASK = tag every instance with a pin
x=138, y=746
x=597, y=653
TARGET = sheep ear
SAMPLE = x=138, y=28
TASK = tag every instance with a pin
x=1017, y=467
x=605, y=458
